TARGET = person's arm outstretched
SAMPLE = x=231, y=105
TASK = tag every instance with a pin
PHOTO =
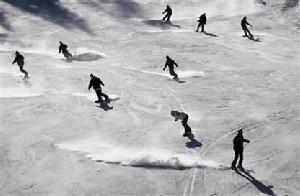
x=245, y=140
x=14, y=61
x=90, y=85
x=176, y=64
x=248, y=23
x=102, y=83
x=165, y=66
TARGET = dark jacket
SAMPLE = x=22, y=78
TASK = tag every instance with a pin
x=63, y=48
x=202, y=19
x=170, y=62
x=244, y=23
x=19, y=59
x=168, y=11
x=238, y=142
x=95, y=83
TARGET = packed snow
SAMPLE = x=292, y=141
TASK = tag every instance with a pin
x=56, y=141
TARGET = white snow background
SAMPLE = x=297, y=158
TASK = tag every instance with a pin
x=56, y=141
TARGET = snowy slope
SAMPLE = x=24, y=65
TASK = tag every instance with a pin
x=56, y=141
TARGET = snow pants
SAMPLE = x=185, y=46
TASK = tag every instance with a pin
x=100, y=95
x=21, y=65
x=238, y=153
x=186, y=127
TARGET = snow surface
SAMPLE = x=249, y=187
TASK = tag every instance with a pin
x=56, y=141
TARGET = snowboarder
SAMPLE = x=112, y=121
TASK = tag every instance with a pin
x=169, y=13
x=238, y=146
x=202, y=22
x=96, y=84
x=63, y=49
x=244, y=24
x=19, y=59
x=184, y=119
x=170, y=63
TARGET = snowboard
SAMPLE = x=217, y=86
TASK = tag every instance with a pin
x=177, y=80
x=237, y=170
x=252, y=38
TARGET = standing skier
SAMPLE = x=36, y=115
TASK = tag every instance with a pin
x=244, y=24
x=168, y=10
x=170, y=63
x=202, y=22
x=184, y=119
x=238, y=146
x=96, y=84
x=63, y=49
x=19, y=59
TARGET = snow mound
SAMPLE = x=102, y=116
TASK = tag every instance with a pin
x=190, y=74
x=99, y=151
x=85, y=54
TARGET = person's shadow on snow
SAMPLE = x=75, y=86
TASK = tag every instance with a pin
x=210, y=34
x=161, y=23
x=105, y=106
x=258, y=184
x=193, y=143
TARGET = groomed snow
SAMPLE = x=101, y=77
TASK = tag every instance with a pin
x=55, y=141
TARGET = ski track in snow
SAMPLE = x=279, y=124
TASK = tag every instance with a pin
x=181, y=74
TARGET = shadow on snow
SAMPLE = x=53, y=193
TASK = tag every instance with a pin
x=258, y=184
x=117, y=8
x=52, y=11
x=161, y=24
x=193, y=143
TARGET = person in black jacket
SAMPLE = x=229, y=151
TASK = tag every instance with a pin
x=170, y=63
x=202, y=22
x=96, y=84
x=169, y=13
x=63, y=48
x=244, y=24
x=19, y=59
x=238, y=146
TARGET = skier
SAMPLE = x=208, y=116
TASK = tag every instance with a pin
x=202, y=22
x=96, y=84
x=19, y=59
x=170, y=63
x=238, y=146
x=169, y=13
x=244, y=24
x=63, y=49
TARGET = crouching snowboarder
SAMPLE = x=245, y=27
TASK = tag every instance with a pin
x=96, y=84
x=19, y=59
x=202, y=22
x=170, y=63
x=238, y=146
x=184, y=120
x=63, y=48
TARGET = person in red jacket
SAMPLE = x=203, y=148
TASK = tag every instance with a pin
x=238, y=146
